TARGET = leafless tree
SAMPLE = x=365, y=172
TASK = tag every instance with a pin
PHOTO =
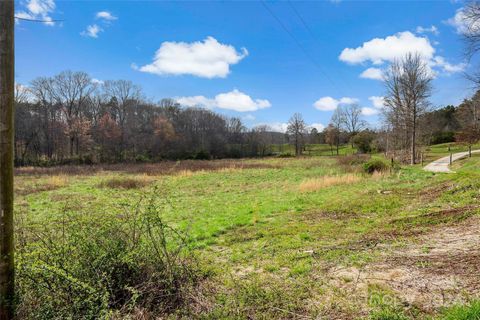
x=296, y=129
x=351, y=119
x=470, y=15
x=408, y=87
x=337, y=121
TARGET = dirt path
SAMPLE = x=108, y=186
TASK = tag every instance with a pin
x=441, y=165
x=439, y=269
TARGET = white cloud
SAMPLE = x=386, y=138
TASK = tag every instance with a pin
x=277, y=126
x=432, y=30
x=97, y=81
x=39, y=10
x=379, y=50
x=463, y=24
x=92, y=31
x=248, y=117
x=377, y=101
x=318, y=126
x=196, y=101
x=372, y=73
x=234, y=100
x=207, y=59
x=447, y=67
x=329, y=103
x=367, y=111
x=105, y=15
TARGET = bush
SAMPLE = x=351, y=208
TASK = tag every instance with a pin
x=97, y=266
x=363, y=141
x=373, y=165
x=286, y=155
x=202, y=155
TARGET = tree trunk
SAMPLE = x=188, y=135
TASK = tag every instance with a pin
x=6, y=158
x=412, y=155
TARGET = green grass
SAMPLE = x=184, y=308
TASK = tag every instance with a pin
x=267, y=243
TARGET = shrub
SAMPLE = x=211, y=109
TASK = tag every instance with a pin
x=96, y=266
x=202, y=155
x=125, y=183
x=373, y=165
x=286, y=155
x=363, y=141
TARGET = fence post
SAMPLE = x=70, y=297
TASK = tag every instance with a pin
x=451, y=158
x=469, y=151
x=421, y=158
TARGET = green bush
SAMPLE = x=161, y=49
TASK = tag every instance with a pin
x=373, y=165
x=363, y=141
x=96, y=266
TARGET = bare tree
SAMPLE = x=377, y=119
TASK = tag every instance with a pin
x=7, y=96
x=70, y=90
x=123, y=94
x=408, y=85
x=470, y=15
x=351, y=119
x=296, y=130
x=338, y=119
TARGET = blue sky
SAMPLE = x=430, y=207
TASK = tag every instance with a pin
x=258, y=61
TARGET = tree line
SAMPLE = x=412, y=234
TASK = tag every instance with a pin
x=68, y=118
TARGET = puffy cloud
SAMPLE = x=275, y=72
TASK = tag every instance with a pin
x=367, y=111
x=234, y=100
x=447, y=67
x=463, y=23
x=239, y=101
x=39, y=10
x=275, y=126
x=208, y=59
x=377, y=101
x=372, y=73
x=97, y=81
x=318, y=126
x=329, y=103
x=92, y=31
x=105, y=15
x=432, y=29
x=379, y=50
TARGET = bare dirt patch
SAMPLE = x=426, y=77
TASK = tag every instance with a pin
x=439, y=268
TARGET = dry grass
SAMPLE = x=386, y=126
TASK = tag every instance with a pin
x=151, y=169
x=327, y=181
x=48, y=184
x=126, y=182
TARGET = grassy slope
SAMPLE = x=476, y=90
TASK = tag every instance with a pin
x=267, y=243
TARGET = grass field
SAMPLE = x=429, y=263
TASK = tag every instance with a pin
x=295, y=238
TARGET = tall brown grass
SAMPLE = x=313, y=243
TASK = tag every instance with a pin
x=315, y=184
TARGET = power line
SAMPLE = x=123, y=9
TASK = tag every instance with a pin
x=298, y=43
x=37, y=20
x=305, y=24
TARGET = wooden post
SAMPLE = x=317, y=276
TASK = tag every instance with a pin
x=7, y=82
x=451, y=158
x=469, y=151
x=421, y=158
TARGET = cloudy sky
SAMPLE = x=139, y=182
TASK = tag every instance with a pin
x=261, y=61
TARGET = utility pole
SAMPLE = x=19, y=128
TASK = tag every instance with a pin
x=7, y=81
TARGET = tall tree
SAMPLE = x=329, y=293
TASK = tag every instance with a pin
x=296, y=130
x=338, y=119
x=408, y=85
x=7, y=96
x=351, y=119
